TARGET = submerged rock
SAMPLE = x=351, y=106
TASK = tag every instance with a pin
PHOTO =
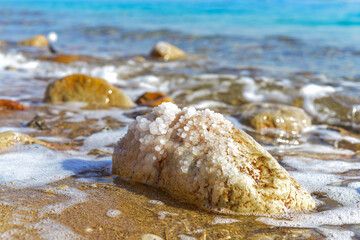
x=153, y=99
x=278, y=117
x=66, y=58
x=167, y=52
x=96, y=92
x=10, y=105
x=36, y=41
x=200, y=157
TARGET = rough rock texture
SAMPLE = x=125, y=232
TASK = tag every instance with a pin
x=153, y=99
x=6, y=104
x=167, y=52
x=267, y=116
x=96, y=92
x=200, y=157
x=36, y=41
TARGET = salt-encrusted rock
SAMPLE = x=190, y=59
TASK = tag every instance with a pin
x=36, y=41
x=269, y=116
x=167, y=52
x=200, y=157
x=96, y=92
x=153, y=99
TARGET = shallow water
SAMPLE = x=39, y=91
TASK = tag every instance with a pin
x=240, y=52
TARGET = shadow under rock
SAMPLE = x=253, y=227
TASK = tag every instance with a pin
x=88, y=168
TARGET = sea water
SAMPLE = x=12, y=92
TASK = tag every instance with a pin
x=241, y=51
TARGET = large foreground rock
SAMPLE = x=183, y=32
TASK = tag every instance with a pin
x=96, y=92
x=167, y=52
x=198, y=156
x=283, y=119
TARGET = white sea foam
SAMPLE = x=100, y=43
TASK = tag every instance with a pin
x=220, y=220
x=35, y=165
x=208, y=104
x=310, y=148
x=102, y=139
x=49, y=229
x=320, y=175
x=310, y=92
x=156, y=202
x=76, y=196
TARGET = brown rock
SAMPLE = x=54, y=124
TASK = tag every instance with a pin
x=97, y=92
x=66, y=59
x=2, y=43
x=8, y=139
x=268, y=116
x=139, y=59
x=10, y=105
x=153, y=99
x=167, y=52
x=36, y=41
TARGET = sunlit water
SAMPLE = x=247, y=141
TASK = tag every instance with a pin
x=304, y=54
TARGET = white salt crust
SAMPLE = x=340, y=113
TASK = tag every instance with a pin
x=200, y=157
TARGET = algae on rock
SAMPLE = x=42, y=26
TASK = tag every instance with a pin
x=198, y=156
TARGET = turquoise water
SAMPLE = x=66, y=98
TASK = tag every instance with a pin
x=315, y=36
x=288, y=30
x=335, y=22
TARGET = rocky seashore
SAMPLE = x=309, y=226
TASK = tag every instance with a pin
x=85, y=155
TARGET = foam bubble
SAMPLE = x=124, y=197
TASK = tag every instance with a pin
x=156, y=202
x=220, y=220
x=112, y=213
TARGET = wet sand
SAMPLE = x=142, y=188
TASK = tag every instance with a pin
x=33, y=213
